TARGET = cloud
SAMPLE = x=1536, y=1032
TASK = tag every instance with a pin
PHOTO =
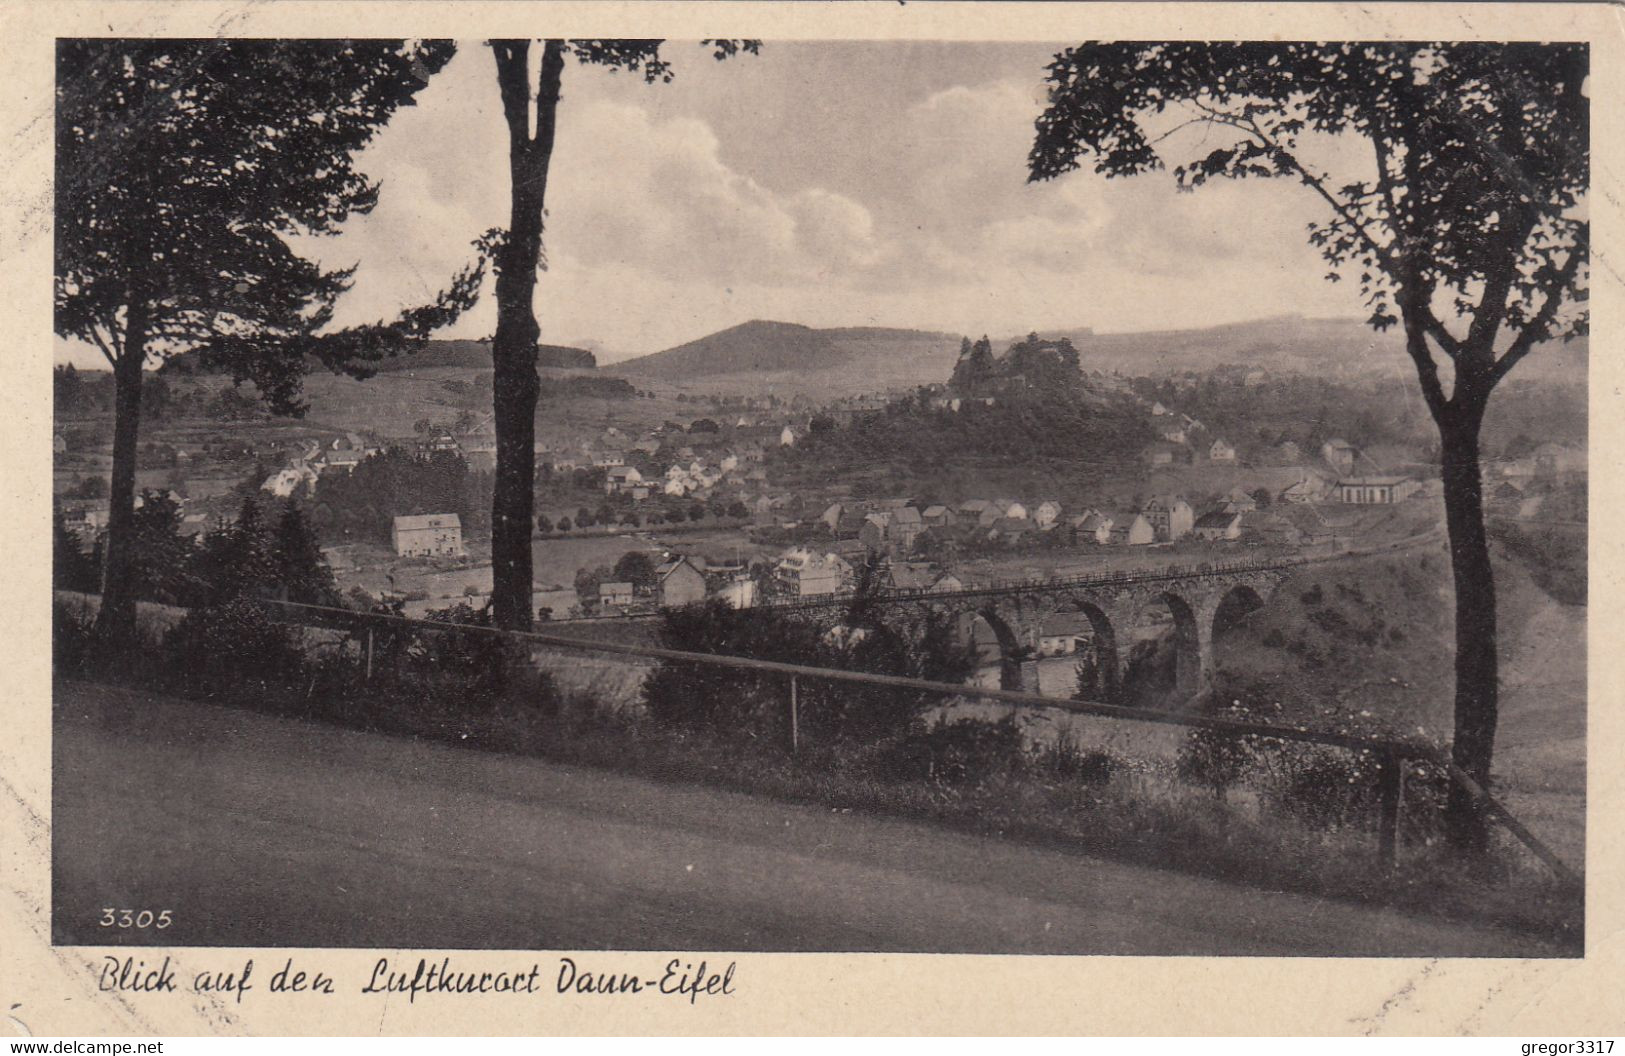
x=895, y=197
x=633, y=190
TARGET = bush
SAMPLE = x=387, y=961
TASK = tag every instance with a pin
x=741, y=703
x=1327, y=787
x=1065, y=760
x=1213, y=760
x=234, y=641
x=71, y=638
x=961, y=752
x=480, y=665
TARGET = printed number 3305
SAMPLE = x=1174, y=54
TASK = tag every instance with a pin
x=130, y=918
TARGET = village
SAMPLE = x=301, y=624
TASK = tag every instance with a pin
x=697, y=500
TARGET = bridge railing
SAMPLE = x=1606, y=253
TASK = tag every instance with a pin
x=1391, y=752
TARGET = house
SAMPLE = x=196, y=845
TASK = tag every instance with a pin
x=1340, y=455
x=874, y=532
x=850, y=526
x=1062, y=633
x=285, y=482
x=614, y=594
x=972, y=509
x=946, y=583
x=1288, y=452
x=801, y=573
x=1218, y=526
x=342, y=460
x=622, y=478
x=1159, y=409
x=1092, y=527
x=678, y=582
x=1219, y=451
x=1312, y=527
x=1171, y=517
x=1307, y=489
x=831, y=517
x=1047, y=513
x=937, y=516
x=1010, y=508
x=1130, y=529
x=906, y=526
x=609, y=460
x=1011, y=531
x=787, y=437
x=428, y=535
x=1172, y=433
x=1375, y=491
x=1237, y=500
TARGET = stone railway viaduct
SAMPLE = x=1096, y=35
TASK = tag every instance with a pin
x=1201, y=599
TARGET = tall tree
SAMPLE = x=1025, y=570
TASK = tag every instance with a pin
x=182, y=169
x=532, y=117
x=1469, y=231
x=296, y=555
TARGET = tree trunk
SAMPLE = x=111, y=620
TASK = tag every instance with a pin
x=1477, y=678
x=515, y=385
x=116, y=619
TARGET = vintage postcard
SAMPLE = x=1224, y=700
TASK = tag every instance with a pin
x=539, y=518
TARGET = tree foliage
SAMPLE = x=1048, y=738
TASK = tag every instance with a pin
x=1469, y=227
x=1473, y=210
x=185, y=171
x=185, y=168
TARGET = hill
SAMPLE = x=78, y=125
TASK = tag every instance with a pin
x=788, y=358
x=474, y=355
x=1288, y=343
x=477, y=355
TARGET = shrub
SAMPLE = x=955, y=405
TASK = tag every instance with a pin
x=1327, y=787
x=741, y=703
x=1213, y=760
x=71, y=638
x=236, y=640
x=480, y=664
x=961, y=752
x=1065, y=760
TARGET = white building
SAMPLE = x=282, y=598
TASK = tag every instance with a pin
x=428, y=535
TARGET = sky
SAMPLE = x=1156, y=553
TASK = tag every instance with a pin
x=823, y=183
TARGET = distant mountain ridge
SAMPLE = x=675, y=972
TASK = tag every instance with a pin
x=789, y=358
x=764, y=346
x=471, y=355
x=477, y=355
x=1290, y=343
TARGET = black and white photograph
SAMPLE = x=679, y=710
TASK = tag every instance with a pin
x=1064, y=496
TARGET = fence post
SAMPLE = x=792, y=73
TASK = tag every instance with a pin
x=795, y=728
x=1391, y=788
x=368, y=677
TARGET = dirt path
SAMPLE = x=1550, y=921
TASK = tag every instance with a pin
x=260, y=831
